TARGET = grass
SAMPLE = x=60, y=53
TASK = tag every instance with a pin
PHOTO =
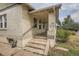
x=72, y=44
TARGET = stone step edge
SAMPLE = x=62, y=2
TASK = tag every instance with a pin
x=37, y=42
x=36, y=47
x=27, y=48
x=41, y=40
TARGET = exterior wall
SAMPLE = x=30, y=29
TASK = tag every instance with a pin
x=18, y=22
x=14, y=29
x=26, y=24
x=13, y=22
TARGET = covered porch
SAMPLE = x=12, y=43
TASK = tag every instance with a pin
x=44, y=22
x=40, y=22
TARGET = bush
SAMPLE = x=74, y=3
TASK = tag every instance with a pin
x=71, y=26
x=62, y=35
x=72, y=32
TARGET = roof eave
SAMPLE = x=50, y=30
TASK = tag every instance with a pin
x=29, y=6
x=46, y=8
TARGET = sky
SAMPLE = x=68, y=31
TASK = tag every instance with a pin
x=66, y=9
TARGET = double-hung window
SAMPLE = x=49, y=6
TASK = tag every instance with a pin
x=3, y=21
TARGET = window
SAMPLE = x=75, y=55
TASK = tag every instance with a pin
x=35, y=22
x=40, y=21
x=39, y=26
x=43, y=26
x=3, y=21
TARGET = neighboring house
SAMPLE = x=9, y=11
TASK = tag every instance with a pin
x=20, y=22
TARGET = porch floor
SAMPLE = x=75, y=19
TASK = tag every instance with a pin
x=42, y=35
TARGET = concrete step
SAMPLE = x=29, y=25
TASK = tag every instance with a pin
x=41, y=40
x=36, y=46
x=37, y=51
x=38, y=42
x=39, y=37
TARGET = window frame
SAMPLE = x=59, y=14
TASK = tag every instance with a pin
x=35, y=22
x=3, y=22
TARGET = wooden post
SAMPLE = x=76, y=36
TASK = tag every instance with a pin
x=51, y=28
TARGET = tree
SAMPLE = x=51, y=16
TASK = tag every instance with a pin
x=69, y=24
x=68, y=20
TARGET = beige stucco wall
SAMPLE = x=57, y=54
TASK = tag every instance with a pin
x=26, y=25
x=18, y=22
x=13, y=21
x=13, y=30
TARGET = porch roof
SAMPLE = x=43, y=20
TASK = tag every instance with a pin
x=46, y=8
x=43, y=12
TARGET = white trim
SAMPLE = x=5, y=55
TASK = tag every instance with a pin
x=3, y=22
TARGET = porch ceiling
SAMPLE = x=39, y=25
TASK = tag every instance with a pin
x=41, y=15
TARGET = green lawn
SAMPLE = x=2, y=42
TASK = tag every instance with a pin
x=72, y=45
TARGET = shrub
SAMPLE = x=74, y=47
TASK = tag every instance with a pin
x=62, y=35
x=72, y=32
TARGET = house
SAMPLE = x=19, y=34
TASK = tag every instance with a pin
x=20, y=23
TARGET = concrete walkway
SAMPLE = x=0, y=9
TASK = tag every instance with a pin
x=6, y=50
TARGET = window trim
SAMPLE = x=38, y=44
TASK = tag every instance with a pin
x=4, y=22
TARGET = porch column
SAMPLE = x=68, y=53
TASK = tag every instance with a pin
x=51, y=34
